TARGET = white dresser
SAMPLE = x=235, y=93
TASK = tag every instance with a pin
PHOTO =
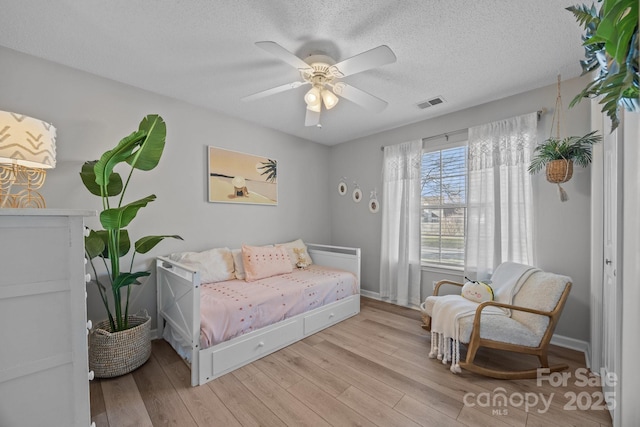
x=44, y=375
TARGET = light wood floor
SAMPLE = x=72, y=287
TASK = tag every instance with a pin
x=370, y=370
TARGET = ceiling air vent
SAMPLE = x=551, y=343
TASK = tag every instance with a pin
x=431, y=102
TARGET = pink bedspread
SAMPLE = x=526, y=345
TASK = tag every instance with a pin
x=234, y=307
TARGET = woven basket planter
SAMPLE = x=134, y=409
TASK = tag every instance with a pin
x=426, y=319
x=112, y=354
x=559, y=171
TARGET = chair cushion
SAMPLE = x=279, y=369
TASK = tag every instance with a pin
x=500, y=328
x=493, y=327
x=507, y=280
x=428, y=304
x=541, y=291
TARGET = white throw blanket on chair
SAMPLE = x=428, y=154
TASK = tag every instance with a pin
x=449, y=309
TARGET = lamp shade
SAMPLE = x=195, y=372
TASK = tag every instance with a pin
x=312, y=98
x=26, y=141
x=315, y=107
x=330, y=100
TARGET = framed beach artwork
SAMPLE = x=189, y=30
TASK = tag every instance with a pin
x=236, y=177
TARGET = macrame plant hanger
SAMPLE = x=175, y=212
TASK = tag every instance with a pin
x=559, y=171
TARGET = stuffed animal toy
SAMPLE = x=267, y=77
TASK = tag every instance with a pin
x=477, y=291
x=301, y=260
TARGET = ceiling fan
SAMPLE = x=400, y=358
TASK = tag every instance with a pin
x=324, y=74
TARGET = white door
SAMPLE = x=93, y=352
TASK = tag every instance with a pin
x=611, y=291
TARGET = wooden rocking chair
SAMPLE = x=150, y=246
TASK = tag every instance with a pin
x=528, y=329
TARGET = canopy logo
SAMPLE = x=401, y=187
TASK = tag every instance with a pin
x=500, y=400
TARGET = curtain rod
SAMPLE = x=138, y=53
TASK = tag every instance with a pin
x=540, y=112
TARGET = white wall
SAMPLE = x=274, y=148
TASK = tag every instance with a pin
x=92, y=114
x=562, y=237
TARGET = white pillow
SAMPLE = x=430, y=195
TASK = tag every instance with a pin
x=238, y=264
x=214, y=265
x=297, y=253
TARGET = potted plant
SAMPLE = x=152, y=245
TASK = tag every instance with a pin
x=611, y=44
x=121, y=343
x=558, y=156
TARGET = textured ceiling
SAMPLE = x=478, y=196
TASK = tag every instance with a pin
x=203, y=52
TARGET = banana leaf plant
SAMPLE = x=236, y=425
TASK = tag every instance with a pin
x=611, y=45
x=142, y=151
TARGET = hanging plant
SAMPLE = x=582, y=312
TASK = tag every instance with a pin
x=611, y=44
x=558, y=155
x=567, y=150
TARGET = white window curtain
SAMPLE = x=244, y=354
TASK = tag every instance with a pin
x=500, y=207
x=400, y=254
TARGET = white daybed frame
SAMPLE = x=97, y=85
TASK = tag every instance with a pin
x=179, y=306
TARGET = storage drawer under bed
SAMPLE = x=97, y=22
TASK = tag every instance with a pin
x=250, y=348
x=324, y=317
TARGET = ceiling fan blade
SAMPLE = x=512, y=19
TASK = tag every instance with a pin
x=284, y=55
x=312, y=118
x=373, y=58
x=274, y=90
x=360, y=97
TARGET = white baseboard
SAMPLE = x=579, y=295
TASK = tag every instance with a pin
x=154, y=334
x=573, y=344
x=370, y=294
x=376, y=296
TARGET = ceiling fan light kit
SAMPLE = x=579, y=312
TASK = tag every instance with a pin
x=329, y=98
x=322, y=72
x=312, y=98
x=314, y=107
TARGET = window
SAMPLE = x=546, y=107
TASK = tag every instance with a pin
x=444, y=211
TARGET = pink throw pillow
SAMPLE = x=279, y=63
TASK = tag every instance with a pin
x=260, y=262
